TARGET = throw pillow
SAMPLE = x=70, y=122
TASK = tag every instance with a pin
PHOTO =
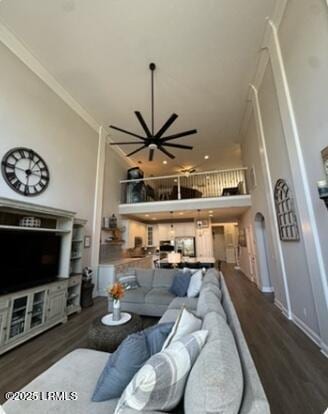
x=156, y=336
x=128, y=359
x=180, y=284
x=160, y=383
x=195, y=284
x=121, y=367
x=185, y=324
x=128, y=279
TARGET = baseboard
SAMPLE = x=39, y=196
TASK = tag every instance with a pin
x=267, y=289
x=282, y=308
x=308, y=331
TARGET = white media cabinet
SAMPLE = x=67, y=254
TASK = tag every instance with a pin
x=26, y=313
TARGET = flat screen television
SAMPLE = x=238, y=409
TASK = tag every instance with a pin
x=27, y=259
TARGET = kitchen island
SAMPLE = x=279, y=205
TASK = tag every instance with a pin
x=108, y=269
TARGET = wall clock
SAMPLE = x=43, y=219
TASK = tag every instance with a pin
x=25, y=171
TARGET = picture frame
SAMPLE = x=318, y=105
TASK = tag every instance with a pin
x=87, y=242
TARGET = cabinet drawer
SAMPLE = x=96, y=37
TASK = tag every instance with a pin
x=57, y=287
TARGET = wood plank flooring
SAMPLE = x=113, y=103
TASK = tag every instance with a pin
x=293, y=371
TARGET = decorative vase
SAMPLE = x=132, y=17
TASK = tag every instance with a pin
x=116, y=310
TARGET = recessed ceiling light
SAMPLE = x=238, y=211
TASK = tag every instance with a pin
x=164, y=162
x=146, y=215
x=154, y=218
x=211, y=215
x=211, y=211
x=181, y=213
x=206, y=157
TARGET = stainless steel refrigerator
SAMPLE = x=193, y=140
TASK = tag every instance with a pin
x=185, y=246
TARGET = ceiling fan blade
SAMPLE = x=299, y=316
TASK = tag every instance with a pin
x=143, y=123
x=137, y=150
x=166, y=152
x=125, y=143
x=188, y=147
x=167, y=125
x=179, y=135
x=151, y=155
x=128, y=132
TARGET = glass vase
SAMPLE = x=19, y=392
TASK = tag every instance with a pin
x=116, y=310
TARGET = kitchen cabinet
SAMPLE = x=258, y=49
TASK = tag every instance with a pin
x=152, y=235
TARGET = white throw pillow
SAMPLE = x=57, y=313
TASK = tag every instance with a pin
x=195, y=284
x=159, y=385
x=186, y=324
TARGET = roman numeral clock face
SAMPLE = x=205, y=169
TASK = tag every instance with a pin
x=25, y=171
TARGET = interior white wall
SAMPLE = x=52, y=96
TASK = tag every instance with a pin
x=32, y=115
x=304, y=41
x=296, y=264
x=252, y=158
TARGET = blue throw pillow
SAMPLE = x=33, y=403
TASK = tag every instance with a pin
x=180, y=284
x=121, y=367
x=156, y=336
x=126, y=361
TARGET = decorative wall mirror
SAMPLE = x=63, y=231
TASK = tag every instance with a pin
x=287, y=221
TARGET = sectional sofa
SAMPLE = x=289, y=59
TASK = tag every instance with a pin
x=223, y=373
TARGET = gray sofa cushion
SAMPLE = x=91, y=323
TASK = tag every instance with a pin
x=215, y=383
x=212, y=276
x=215, y=289
x=76, y=372
x=189, y=303
x=209, y=302
x=159, y=296
x=145, y=277
x=170, y=315
x=135, y=295
x=163, y=278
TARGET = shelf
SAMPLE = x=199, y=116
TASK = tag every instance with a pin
x=77, y=241
x=19, y=309
x=71, y=297
x=15, y=322
x=76, y=257
x=75, y=274
x=40, y=229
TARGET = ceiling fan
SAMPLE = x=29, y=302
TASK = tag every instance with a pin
x=154, y=140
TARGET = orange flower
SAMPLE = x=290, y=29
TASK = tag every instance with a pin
x=116, y=291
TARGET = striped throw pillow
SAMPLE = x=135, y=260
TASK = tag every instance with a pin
x=128, y=279
x=159, y=385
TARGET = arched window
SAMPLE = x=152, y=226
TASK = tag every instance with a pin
x=286, y=217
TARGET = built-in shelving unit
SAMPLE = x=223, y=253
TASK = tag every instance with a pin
x=28, y=312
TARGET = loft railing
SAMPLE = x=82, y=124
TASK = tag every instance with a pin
x=208, y=184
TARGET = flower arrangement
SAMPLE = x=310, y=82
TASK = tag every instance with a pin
x=116, y=291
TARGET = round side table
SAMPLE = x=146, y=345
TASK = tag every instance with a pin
x=107, y=338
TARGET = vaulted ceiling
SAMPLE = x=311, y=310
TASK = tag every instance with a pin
x=205, y=50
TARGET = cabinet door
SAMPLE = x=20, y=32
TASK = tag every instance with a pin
x=18, y=316
x=37, y=308
x=56, y=306
x=3, y=325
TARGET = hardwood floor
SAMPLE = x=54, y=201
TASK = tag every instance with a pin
x=293, y=371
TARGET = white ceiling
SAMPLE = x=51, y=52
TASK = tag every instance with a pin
x=205, y=50
x=218, y=215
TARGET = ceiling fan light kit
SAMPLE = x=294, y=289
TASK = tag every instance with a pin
x=152, y=140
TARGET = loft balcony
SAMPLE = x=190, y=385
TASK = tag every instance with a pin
x=210, y=189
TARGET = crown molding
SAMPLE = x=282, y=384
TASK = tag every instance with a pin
x=23, y=54
x=263, y=60
x=19, y=50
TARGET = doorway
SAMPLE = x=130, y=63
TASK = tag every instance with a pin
x=262, y=252
x=219, y=244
